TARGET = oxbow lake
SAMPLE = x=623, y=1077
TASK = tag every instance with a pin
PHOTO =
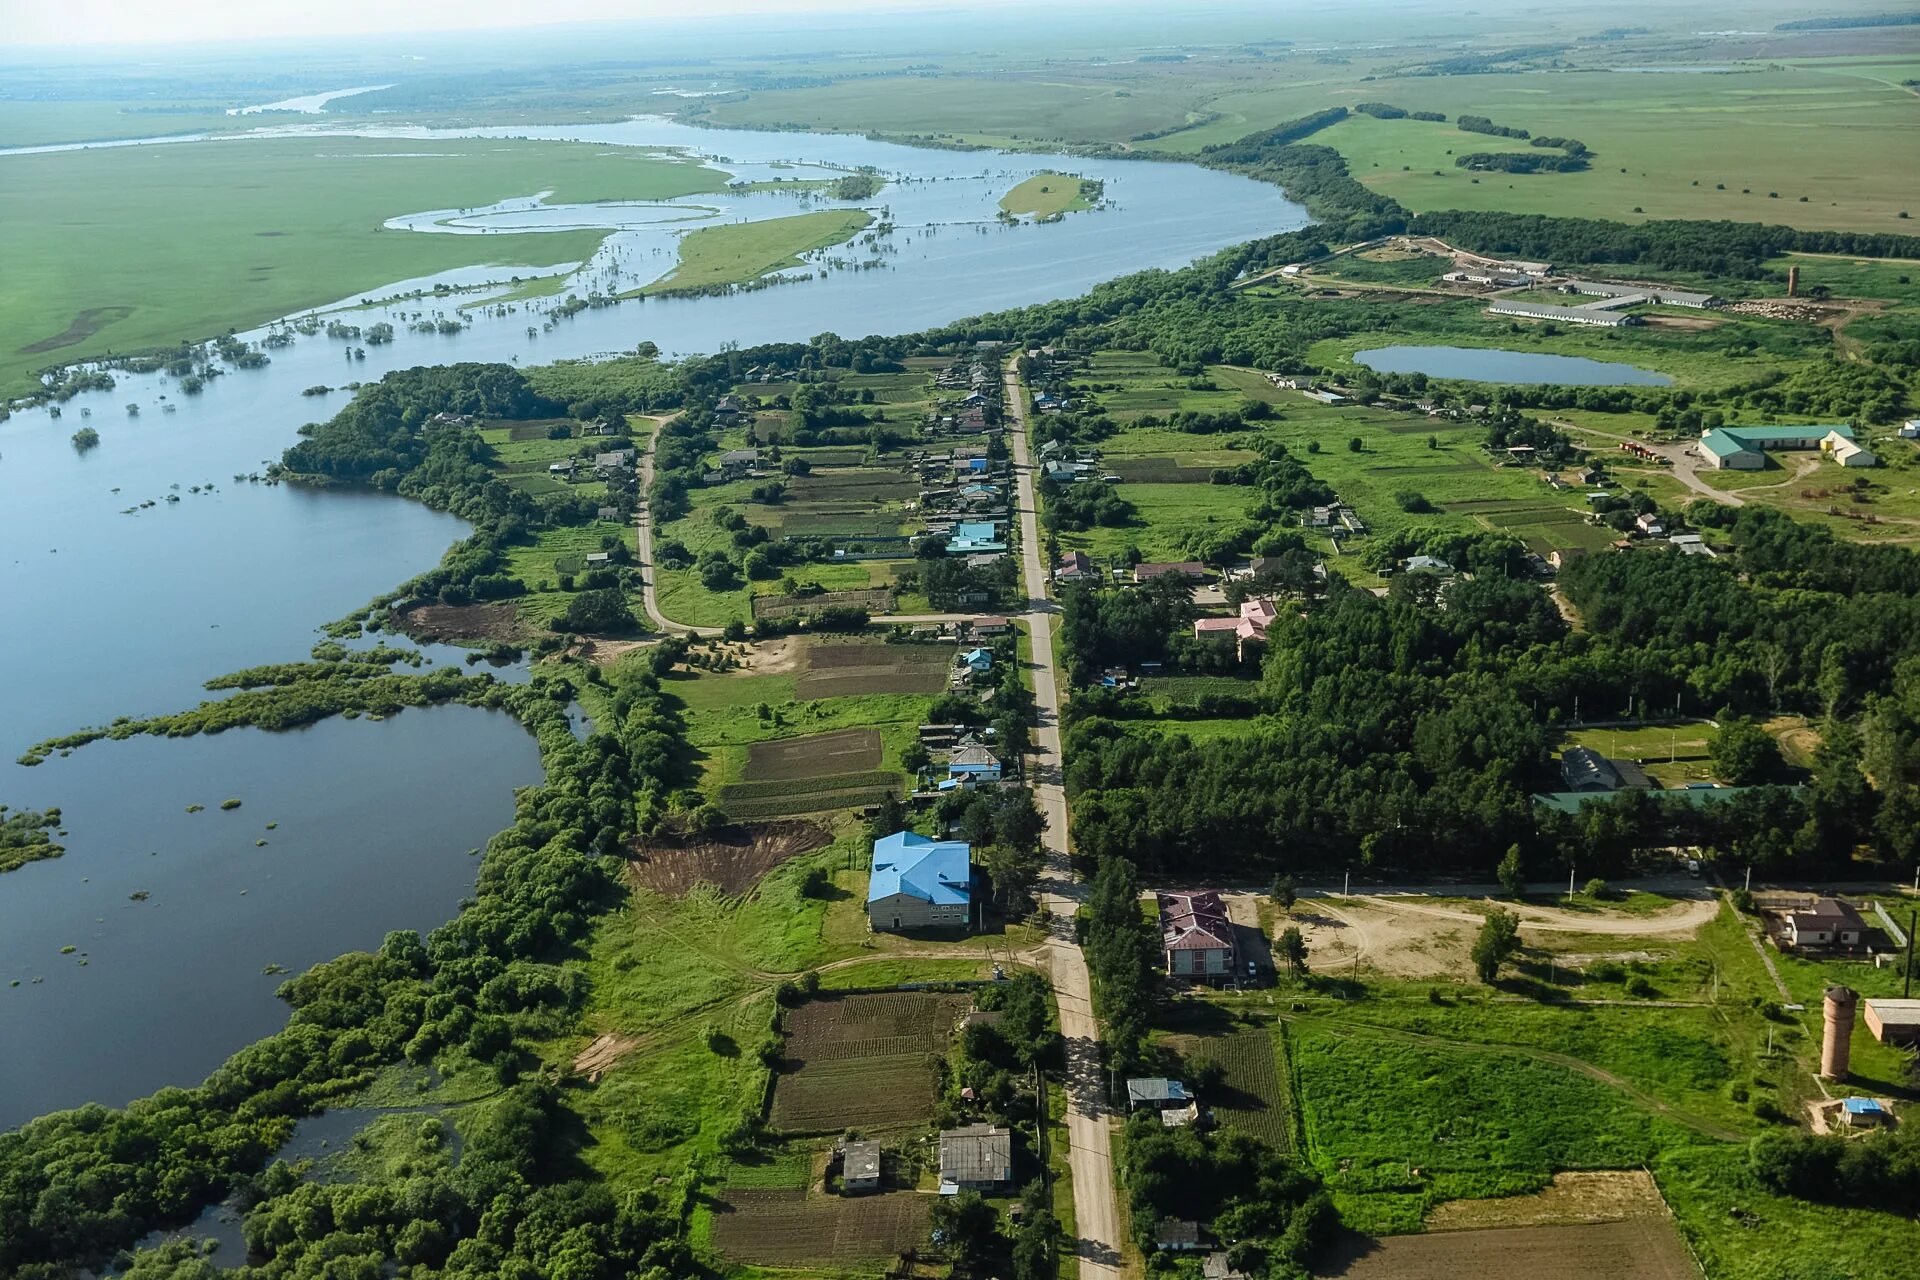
x=1492, y=364
x=120, y=608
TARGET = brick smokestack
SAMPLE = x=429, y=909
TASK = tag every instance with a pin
x=1838, y=1042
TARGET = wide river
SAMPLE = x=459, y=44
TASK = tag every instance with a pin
x=115, y=613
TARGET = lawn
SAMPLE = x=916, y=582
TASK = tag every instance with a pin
x=231, y=234
x=741, y=251
x=1046, y=196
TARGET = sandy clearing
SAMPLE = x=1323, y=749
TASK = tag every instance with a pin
x=1686, y=919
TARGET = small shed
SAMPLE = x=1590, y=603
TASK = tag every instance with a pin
x=1863, y=1112
x=860, y=1169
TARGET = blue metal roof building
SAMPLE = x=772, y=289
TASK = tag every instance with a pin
x=919, y=882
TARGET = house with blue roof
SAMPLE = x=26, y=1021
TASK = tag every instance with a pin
x=920, y=883
x=978, y=661
x=975, y=536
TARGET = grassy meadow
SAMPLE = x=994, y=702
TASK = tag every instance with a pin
x=1046, y=195
x=741, y=251
x=231, y=234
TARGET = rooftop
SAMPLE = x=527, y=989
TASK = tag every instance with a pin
x=936, y=871
x=978, y=1153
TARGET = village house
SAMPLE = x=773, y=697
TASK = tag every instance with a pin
x=976, y=1158
x=978, y=661
x=860, y=1167
x=1256, y=615
x=1075, y=566
x=1828, y=923
x=1156, y=1093
x=617, y=460
x=1196, y=935
x=989, y=625
x=975, y=764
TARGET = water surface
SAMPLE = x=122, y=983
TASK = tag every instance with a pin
x=374, y=823
x=1493, y=364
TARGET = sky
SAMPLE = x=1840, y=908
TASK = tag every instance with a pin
x=71, y=22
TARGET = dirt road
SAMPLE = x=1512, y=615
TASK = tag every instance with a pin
x=1089, y=1131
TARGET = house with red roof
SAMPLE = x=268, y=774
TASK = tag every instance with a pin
x=1196, y=935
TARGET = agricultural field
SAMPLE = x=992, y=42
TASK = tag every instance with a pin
x=307, y=211
x=862, y=1061
x=796, y=1228
x=1639, y=1248
x=807, y=724
x=1254, y=1096
x=1627, y=1034
x=731, y=861
x=838, y=668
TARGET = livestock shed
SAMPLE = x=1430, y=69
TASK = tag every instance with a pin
x=1895, y=1022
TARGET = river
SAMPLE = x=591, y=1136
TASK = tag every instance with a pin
x=116, y=608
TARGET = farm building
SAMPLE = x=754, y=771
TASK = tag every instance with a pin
x=1894, y=1021
x=1196, y=935
x=976, y=1158
x=860, y=1168
x=1426, y=564
x=1745, y=448
x=1156, y=1093
x=1828, y=923
x=1192, y=570
x=1325, y=396
x=1585, y=769
x=1570, y=315
x=1910, y=429
x=1625, y=294
x=917, y=883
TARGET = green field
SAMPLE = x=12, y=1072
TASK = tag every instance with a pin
x=1045, y=196
x=743, y=251
x=227, y=235
x=1664, y=145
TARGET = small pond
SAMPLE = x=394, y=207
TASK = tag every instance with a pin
x=1491, y=364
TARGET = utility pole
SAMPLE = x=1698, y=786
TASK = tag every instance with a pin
x=1913, y=918
x=1569, y=882
x=1749, y=878
x=1346, y=885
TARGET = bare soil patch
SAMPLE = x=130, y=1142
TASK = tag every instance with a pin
x=496, y=623
x=602, y=1055
x=732, y=860
x=817, y=755
x=1571, y=1199
x=842, y=670
x=1636, y=1249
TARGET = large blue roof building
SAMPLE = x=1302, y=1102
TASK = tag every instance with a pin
x=920, y=883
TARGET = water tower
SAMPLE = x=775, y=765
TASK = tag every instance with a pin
x=1840, y=1004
